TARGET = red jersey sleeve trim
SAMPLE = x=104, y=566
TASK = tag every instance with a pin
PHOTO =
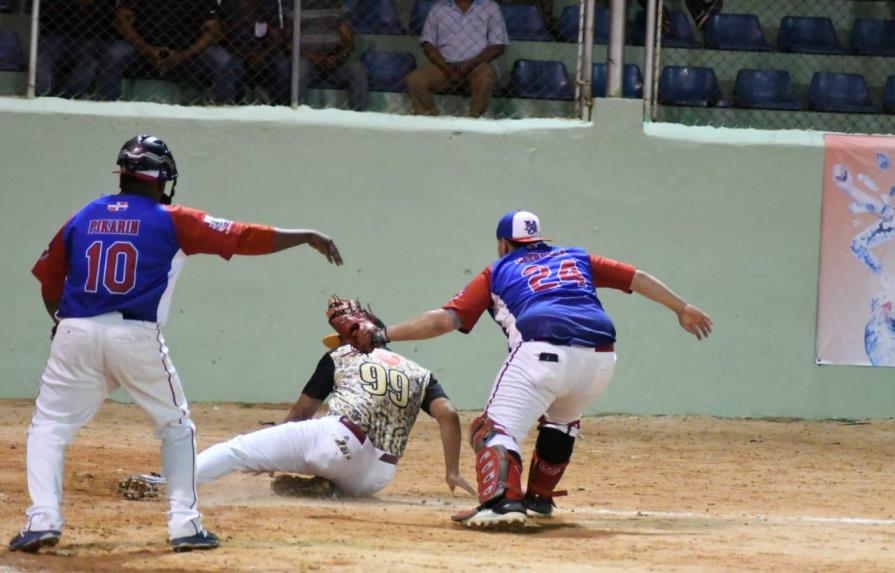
x=472, y=301
x=199, y=233
x=255, y=240
x=608, y=273
x=52, y=268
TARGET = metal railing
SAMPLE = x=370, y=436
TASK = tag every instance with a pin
x=825, y=65
x=519, y=58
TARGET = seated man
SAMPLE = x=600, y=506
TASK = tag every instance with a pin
x=461, y=38
x=374, y=400
x=170, y=38
x=74, y=35
x=253, y=33
x=327, y=41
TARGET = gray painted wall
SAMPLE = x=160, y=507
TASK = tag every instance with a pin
x=412, y=202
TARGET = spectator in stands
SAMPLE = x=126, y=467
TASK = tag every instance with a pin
x=700, y=10
x=74, y=35
x=327, y=41
x=253, y=33
x=461, y=39
x=170, y=39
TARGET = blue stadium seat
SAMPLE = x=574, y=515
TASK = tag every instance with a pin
x=524, y=22
x=735, y=32
x=418, y=14
x=689, y=86
x=540, y=80
x=12, y=59
x=387, y=70
x=889, y=95
x=632, y=81
x=567, y=28
x=873, y=37
x=765, y=89
x=845, y=93
x=374, y=17
x=679, y=35
x=808, y=35
x=7, y=5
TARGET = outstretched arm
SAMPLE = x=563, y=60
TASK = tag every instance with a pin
x=427, y=325
x=692, y=319
x=287, y=238
x=449, y=424
x=197, y=232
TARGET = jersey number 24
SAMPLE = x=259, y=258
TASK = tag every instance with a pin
x=540, y=277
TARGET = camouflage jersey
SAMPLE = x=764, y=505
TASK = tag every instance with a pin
x=382, y=392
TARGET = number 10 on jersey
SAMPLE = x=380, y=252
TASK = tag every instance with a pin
x=117, y=264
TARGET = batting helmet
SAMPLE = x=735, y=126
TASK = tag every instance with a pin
x=147, y=157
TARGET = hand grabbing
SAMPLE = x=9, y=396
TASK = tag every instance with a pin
x=455, y=480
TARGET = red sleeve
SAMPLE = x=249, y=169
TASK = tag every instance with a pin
x=472, y=301
x=52, y=267
x=612, y=274
x=200, y=233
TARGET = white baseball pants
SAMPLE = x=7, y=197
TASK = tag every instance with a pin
x=539, y=378
x=321, y=447
x=89, y=358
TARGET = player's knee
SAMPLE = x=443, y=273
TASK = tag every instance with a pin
x=176, y=430
x=556, y=440
x=483, y=431
x=554, y=446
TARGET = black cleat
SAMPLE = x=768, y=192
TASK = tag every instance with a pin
x=203, y=540
x=538, y=505
x=31, y=541
x=505, y=514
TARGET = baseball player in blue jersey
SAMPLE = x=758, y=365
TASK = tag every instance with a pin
x=561, y=357
x=106, y=280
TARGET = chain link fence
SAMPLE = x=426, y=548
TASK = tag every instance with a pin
x=512, y=59
x=825, y=65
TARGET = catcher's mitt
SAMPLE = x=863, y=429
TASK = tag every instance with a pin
x=297, y=486
x=146, y=486
x=355, y=324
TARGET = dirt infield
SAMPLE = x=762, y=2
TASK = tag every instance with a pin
x=645, y=494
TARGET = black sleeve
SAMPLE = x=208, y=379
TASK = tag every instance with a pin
x=433, y=392
x=321, y=382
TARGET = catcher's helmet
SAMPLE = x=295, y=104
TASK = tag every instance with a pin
x=147, y=157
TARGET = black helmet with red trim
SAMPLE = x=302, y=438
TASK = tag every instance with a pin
x=148, y=158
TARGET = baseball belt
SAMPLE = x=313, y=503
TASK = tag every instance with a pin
x=361, y=436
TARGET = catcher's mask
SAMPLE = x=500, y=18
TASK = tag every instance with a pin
x=338, y=305
x=148, y=158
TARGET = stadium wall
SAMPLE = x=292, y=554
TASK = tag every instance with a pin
x=730, y=219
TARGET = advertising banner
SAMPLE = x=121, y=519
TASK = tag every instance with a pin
x=856, y=293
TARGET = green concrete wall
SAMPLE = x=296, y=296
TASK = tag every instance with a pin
x=730, y=219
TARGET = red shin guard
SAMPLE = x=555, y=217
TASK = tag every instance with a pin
x=544, y=476
x=499, y=474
